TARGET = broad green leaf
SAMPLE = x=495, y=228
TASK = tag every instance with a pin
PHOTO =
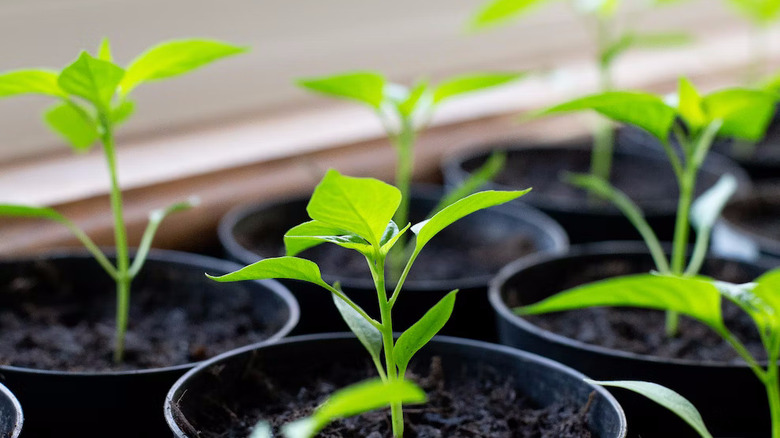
x=173, y=58
x=363, y=206
x=413, y=98
x=496, y=12
x=426, y=230
x=121, y=112
x=367, y=334
x=771, y=84
x=460, y=85
x=392, y=236
x=26, y=211
x=292, y=268
x=743, y=295
x=664, y=397
x=92, y=79
x=689, y=105
x=313, y=233
x=745, y=113
x=363, y=86
x=80, y=130
x=416, y=336
x=761, y=12
x=707, y=208
x=643, y=110
x=767, y=288
x=262, y=430
x=18, y=82
x=104, y=51
x=696, y=298
x=353, y=400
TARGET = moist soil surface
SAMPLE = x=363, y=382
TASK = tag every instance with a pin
x=643, y=331
x=51, y=321
x=480, y=402
x=760, y=213
x=648, y=182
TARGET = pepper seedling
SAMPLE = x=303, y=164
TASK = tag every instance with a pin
x=693, y=121
x=611, y=43
x=357, y=214
x=93, y=94
x=404, y=112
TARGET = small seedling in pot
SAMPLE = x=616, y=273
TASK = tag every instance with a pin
x=93, y=101
x=357, y=214
x=610, y=39
x=404, y=113
x=693, y=121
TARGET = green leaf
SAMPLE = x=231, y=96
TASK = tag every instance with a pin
x=690, y=107
x=696, y=298
x=363, y=206
x=75, y=126
x=18, y=82
x=92, y=79
x=761, y=12
x=476, y=179
x=767, y=289
x=292, y=268
x=121, y=112
x=416, y=336
x=313, y=233
x=745, y=113
x=29, y=212
x=707, y=208
x=104, y=51
x=496, y=12
x=353, y=400
x=643, y=110
x=666, y=398
x=409, y=105
x=460, y=85
x=426, y=230
x=367, y=334
x=391, y=236
x=363, y=86
x=173, y=58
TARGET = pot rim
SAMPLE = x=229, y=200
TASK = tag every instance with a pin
x=17, y=408
x=172, y=257
x=525, y=214
x=715, y=164
x=471, y=343
x=591, y=249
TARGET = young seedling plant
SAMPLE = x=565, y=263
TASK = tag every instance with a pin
x=357, y=213
x=405, y=112
x=93, y=101
x=694, y=121
x=611, y=41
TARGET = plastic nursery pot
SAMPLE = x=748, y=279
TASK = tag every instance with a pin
x=172, y=304
x=230, y=380
x=464, y=256
x=750, y=226
x=732, y=401
x=11, y=417
x=646, y=177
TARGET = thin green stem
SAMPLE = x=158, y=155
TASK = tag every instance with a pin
x=680, y=243
x=92, y=248
x=123, y=278
x=772, y=384
x=744, y=354
x=378, y=273
x=403, y=180
x=354, y=306
x=400, y=284
x=603, y=145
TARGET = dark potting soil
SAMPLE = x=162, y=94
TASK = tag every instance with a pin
x=50, y=321
x=759, y=213
x=480, y=402
x=542, y=168
x=643, y=331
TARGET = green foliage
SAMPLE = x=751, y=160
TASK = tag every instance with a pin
x=364, y=86
x=666, y=398
x=760, y=12
x=347, y=402
x=356, y=213
x=91, y=94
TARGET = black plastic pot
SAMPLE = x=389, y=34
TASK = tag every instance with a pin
x=124, y=403
x=645, y=176
x=732, y=401
x=748, y=227
x=478, y=232
x=11, y=417
x=541, y=380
